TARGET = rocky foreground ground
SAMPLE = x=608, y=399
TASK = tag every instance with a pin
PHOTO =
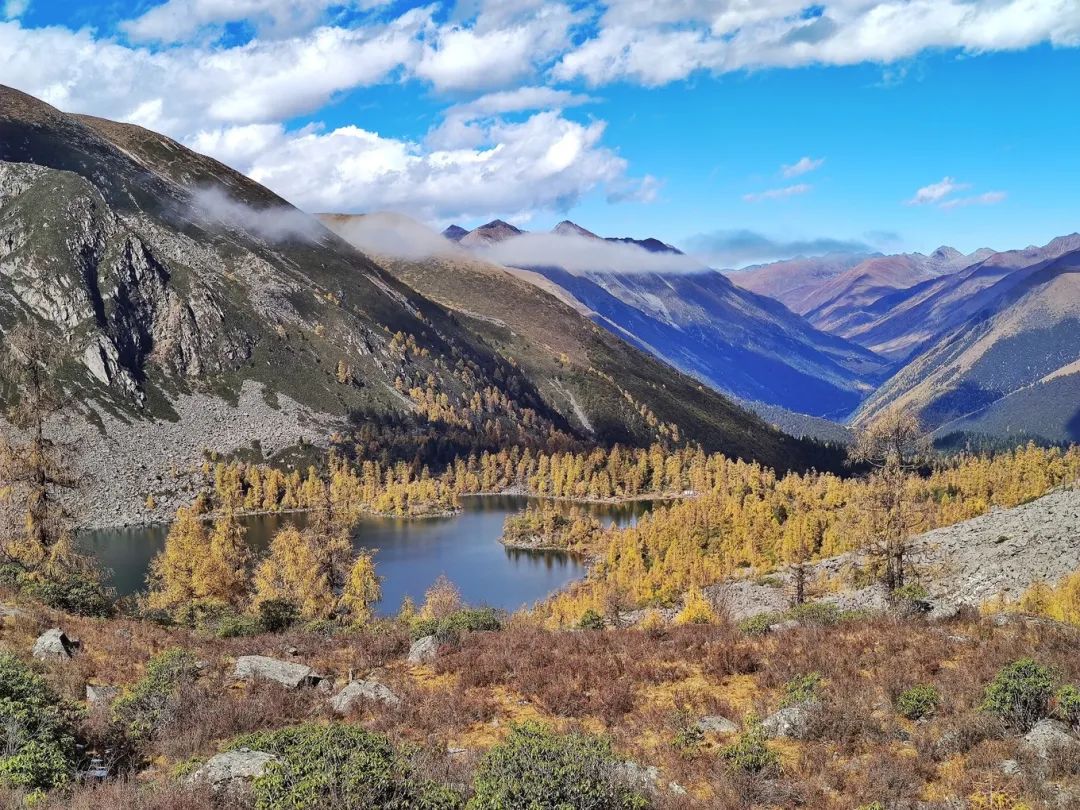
x=996, y=555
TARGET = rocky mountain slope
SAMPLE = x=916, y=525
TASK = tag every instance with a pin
x=996, y=556
x=167, y=275
x=599, y=383
x=793, y=281
x=1011, y=365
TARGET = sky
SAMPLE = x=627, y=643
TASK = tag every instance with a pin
x=743, y=130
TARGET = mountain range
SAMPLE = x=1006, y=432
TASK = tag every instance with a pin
x=178, y=286
x=979, y=344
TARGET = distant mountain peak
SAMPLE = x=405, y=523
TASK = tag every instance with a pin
x=489, y=234
x=946, y=253
x=454, y=233
x=568, y=228
x=650, y=244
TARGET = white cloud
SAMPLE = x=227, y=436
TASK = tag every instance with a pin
x=986, y=198
x=497, y=49
x=181, y=90
x=801, y=166
x=276, y=224
x=389, y=234
x=778, y=193
x=582, y=254
x=544, y=162
x=656, y=43
x=936, y=192
x=177, y=20
x=15, y=8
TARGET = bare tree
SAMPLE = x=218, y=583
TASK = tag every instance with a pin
x=895, y=445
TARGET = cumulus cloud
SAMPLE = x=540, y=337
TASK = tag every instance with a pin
x=181, y=90
x=177, y=20
x=543, y=162
x=777, y=193
x=736, y=248
x=801, y=166
x=215, y=209
x=497, y=47
x=656, y=43
x=583, y=254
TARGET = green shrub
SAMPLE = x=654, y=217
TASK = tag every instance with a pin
x=277, y=615
x=538, y=769
x=154, y=699
x=450, y=628
x=801, y=690
x=912, y=592
x=819, y=614
x=1068, y=704
x=73, y=593
x=758, y=625
x=237, y=625
x=918, y=701
x=751, y=753
x=339, y=765
x=1019, y=693
x=38, y=727
x=591, y=620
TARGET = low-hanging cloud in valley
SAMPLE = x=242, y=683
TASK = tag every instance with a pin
x=584, y=254
x=391, y=234
x=739, y=247
x=214, y=208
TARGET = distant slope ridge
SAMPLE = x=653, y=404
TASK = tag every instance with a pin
x=664, y=302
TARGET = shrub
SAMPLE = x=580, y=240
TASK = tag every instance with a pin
x=276, y=615
x=801, y=690
x=758, y=625
x=450, y=628
x=1019, y=693
x=696, y=610
x=540, y=769
x=818, y=614
x=339, y=766
x=918, y=701
x=751, y=753
x=153, y=700
x=591, y=620
x=38, y=727
x=237, y=625
x=73, y=593
x=1068, y=704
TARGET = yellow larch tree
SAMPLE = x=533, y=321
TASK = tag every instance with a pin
x=291, y=572
x=362, y=590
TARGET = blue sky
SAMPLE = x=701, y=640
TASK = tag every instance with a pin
x=902, y=124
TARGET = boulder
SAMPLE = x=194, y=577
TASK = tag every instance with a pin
x=1048, y=736
x=287, y=673
x=423, y=650
x=360, y=691
x=791, y=722
x=1010, y=767
x=787, y=624
x=715, y=724
x=101, y=695
x=55, y=645
x=233, y=770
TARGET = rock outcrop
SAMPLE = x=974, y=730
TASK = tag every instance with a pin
x=357, y=692
x=232, y=771
x=286, y=673
x=54, y=645
x=423, y=650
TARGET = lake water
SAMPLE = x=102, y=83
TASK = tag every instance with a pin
x=409, y=554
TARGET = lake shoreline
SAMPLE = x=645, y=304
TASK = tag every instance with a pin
x=518, y=492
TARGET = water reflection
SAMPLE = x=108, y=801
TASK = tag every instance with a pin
x=409, y=554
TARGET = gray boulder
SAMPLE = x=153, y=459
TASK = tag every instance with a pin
x=715, y=724
x=1048, y=736
x=54, y=645
x=234, y=770
x=360, y=691
x=101, y=695
x=287, y=673
x=787, y=624
x=1010, y=767
x=791, y=722
x=423, y=650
